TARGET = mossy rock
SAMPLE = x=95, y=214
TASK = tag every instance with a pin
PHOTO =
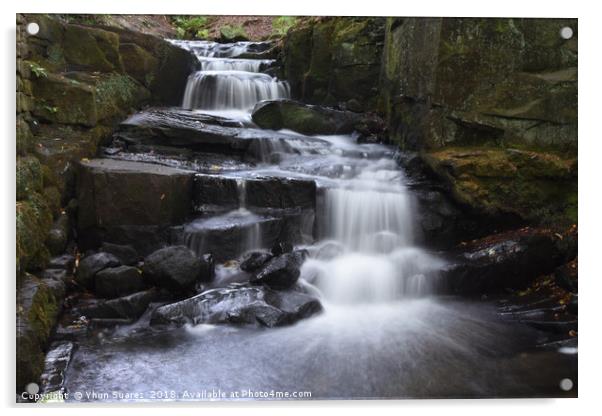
x=29, y=176
x=138, y=63
x=24, y=136
x=537, y=187
x=64, y=100
x=39, y=303
x=302, y=118
x=33, y=221
x=91, y=49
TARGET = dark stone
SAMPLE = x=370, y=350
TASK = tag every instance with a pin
x=65, y=262
x=127, y=307
x=118, y=281
x=118, y=193
x=281, y=272
x=57, y=274
x=255, y=260
x=240, y=304
x=281, y=247
x=126, y=254
x=572, y=306
x=92, y=264
x=58, y=235
x=175, y=268
x=510, y=262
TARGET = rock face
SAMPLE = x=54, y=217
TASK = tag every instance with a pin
x=240, y=304
x=176, y=268
x=475, y=81
x=115, y=193
x=255, y=260
x=281, y=272
x=336, y=61
x=507, y=261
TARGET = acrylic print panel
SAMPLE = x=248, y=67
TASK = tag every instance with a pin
x=295, y=208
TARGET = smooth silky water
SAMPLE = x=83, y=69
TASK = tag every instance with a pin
x=384, y=333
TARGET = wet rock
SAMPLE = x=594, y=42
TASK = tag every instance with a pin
x=281, y=247
x=572, y=306
x=505, y=261
x=175, y=268
x=126, y=254
x=118, y=281
x=266, y=192
x=127, y=307
x=74, y=331
x=66, y=262
x=55, y=365
x=92, y=264
x=281, y=272
x=255, y=260
x=118, y=193
x=240, y=304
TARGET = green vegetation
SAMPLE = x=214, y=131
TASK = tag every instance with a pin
x=281, y=25
x=38, y=70
x=231, y=33
x=188, y=27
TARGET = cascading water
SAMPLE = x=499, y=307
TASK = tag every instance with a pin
x=382, y=333
x=229, y=83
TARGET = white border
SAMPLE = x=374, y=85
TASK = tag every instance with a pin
x=590, y=157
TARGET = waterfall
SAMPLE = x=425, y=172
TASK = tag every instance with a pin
x=226, y=82
x=227, y=90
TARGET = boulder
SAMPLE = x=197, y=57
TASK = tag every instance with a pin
x=281, y=247
x=510, y=260
x=240, y=304
x=255, y=260
x=118, y=281
x=303, y=118
x=176, y=268
x=116, y=193
x=128, y=307
x=281, y=272
x=92, y=264
x=126, y=254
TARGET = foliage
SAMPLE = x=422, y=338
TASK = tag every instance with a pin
x=188, y=27
x=281, y=25
x=233, y=33
x=38, y=70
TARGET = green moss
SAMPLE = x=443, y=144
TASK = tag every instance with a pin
x=33, y=221
x=539, y=187
x=191, y=27
x=29, y=176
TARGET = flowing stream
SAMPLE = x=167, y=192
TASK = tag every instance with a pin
x=385, y=331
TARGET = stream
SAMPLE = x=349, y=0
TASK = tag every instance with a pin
x=387, y=330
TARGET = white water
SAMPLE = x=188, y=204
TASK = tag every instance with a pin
x=226, y=82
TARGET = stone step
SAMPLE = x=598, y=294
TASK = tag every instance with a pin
x=228, y=235
x=178, y=128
